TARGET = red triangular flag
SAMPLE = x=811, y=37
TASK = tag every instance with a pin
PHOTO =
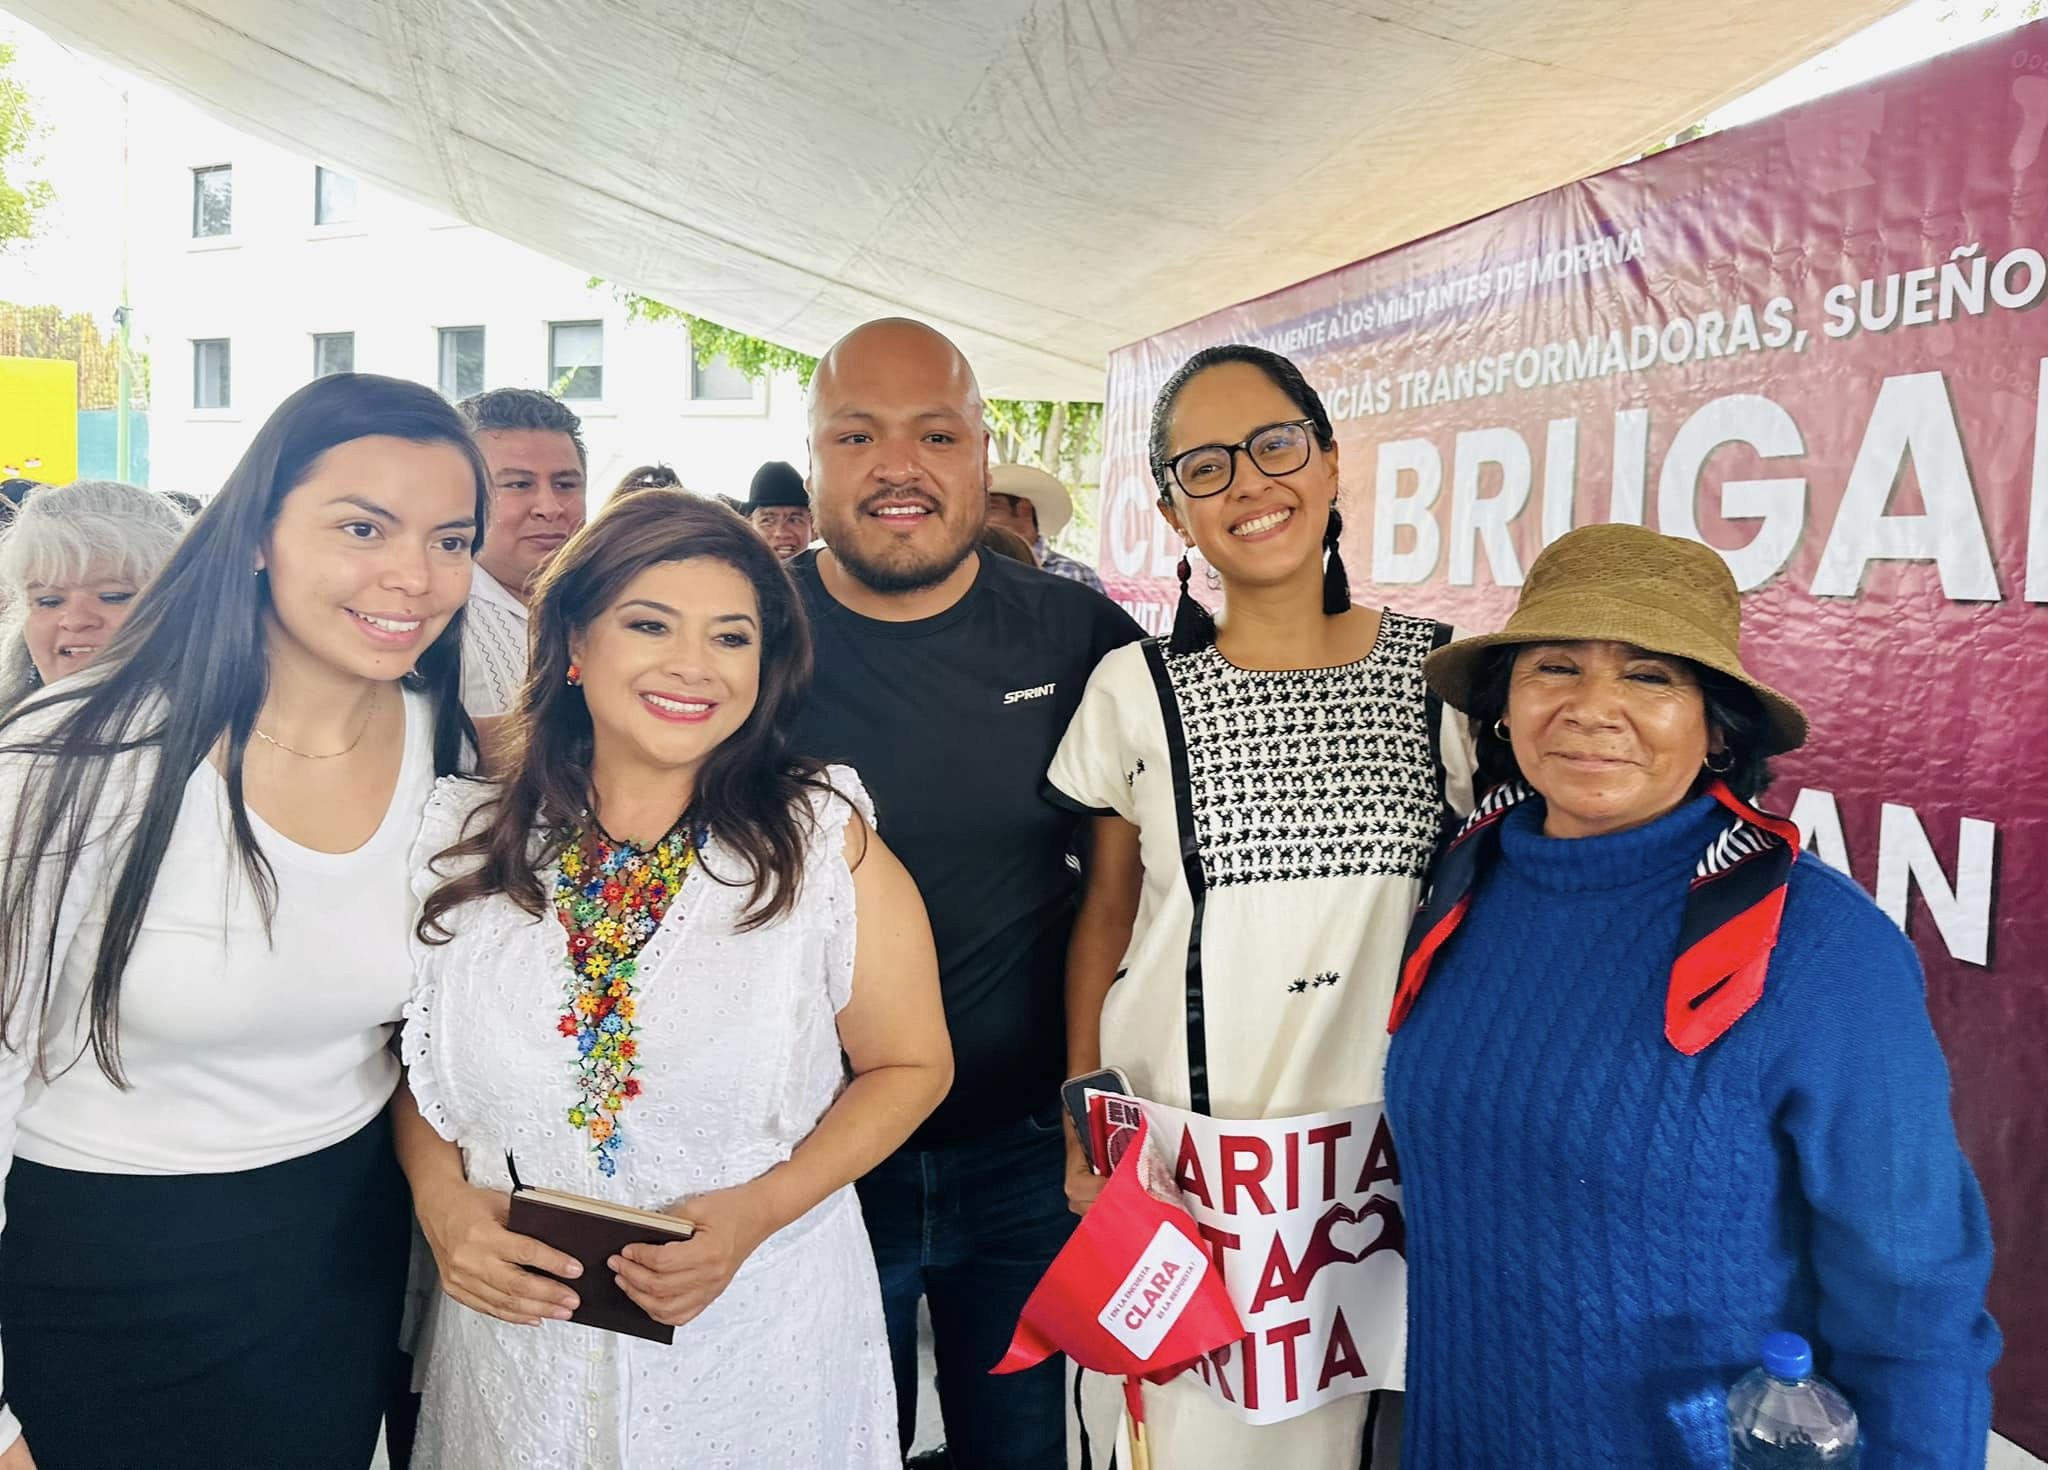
x=1134, y=1291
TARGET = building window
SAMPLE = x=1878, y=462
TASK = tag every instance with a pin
x=334, y=198
x=210, y=388
x=213, y=202
x=715, y=379
x=576, y=359
x=462, y=362
x=334, y=352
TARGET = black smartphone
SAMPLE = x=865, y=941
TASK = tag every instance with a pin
x=1074, y=1094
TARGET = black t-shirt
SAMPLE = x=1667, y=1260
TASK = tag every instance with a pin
x=952, y=722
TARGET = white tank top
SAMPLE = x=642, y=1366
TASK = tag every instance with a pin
x=240, y=1049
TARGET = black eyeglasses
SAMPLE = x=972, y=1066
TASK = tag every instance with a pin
x=1208, y=469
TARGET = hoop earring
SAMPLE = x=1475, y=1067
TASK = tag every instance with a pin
x=1500, y=731
x=1727, y=762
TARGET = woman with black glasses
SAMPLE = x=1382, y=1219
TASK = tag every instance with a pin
x=1267, y=792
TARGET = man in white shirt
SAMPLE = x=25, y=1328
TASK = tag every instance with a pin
x=533, y=445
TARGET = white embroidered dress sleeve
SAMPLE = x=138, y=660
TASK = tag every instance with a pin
x=1458, y=751
x=1098, y=761
x=449, y=812
x=739, y=1048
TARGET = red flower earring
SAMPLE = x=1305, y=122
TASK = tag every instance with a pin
x=575, y=673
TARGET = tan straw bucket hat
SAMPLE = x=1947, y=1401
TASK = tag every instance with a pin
x=1625, y=584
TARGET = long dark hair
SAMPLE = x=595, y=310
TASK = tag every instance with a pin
x=189, y=671
x=752, y=792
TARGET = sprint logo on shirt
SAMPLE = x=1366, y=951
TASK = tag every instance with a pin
x=1037, y=691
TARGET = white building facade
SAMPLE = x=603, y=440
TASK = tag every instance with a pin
x=256, y=270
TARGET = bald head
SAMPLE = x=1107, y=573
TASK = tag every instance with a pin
x=895, y=360
x=899, y=455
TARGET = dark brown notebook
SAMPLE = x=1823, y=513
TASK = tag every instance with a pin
x=593, y=1231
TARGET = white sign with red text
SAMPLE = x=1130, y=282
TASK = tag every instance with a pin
x=1156, y=1291
x=1302, y=1216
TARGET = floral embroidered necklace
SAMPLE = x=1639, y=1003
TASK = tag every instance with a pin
x=610, y=897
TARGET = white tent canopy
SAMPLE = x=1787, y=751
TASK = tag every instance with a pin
x=1043, y=179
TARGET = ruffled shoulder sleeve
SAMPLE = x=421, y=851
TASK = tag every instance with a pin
x=830, y=879
x=451, y=814
x=835, y=807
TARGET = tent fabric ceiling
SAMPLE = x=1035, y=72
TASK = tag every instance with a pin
x=1044, y=179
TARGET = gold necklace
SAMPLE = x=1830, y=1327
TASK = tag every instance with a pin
x=361, y=730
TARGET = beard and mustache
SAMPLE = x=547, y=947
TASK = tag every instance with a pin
x=884, y=562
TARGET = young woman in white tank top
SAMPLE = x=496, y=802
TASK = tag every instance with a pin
x=203, y=917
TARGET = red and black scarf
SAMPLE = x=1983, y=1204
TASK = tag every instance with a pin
x=1724, y=944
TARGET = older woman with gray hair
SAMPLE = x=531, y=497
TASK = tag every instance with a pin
x=1662, y=1083
x=71, y=565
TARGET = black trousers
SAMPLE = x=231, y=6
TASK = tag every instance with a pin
x=206, y=1320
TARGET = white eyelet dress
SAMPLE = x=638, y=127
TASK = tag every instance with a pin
x=740, y=1059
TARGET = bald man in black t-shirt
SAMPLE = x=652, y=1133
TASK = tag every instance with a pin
x=945, y=677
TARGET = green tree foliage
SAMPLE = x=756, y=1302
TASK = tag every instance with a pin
x=1686, y=135
x=1063, y=438
x=751, y=356
x=21, y=198
x=48, y=331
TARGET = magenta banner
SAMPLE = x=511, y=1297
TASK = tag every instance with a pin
x=1817, y=344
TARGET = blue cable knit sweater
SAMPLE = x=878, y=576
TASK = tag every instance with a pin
x=1601, y=1231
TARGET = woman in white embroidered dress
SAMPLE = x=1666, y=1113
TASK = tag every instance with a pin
x=1267, y=798
x=651, y=800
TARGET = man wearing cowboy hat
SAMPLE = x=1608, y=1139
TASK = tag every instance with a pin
x=1035, y=506
x=779, y=508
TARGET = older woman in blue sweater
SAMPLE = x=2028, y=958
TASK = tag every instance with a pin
x=1661, y=1084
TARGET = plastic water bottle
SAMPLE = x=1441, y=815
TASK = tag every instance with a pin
x=1781, y=1417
